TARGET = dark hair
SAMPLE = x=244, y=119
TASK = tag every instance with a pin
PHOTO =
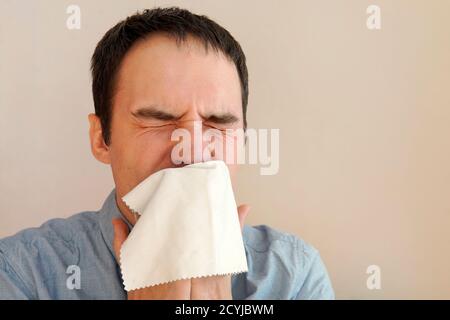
x=176, y=22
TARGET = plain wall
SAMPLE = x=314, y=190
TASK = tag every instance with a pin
x=364, y=119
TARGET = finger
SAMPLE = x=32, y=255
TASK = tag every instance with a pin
x=243, y=211
x=120, y=235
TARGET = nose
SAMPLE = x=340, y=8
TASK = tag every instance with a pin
x=190, y=146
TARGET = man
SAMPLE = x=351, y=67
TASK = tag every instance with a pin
x=153, y=72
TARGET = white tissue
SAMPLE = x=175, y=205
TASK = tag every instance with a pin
x=188, y=227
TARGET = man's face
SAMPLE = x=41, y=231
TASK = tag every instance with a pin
x=163, y=85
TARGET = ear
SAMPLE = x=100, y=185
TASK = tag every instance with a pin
x=99, y=148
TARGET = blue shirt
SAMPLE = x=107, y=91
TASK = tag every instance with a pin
x=37, y=263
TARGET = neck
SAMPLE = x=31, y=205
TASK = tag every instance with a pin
x=127, y=214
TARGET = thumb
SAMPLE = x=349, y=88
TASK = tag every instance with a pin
x=120, y=235
x=243, y=211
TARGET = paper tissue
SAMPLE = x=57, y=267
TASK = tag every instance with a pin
x=188, y=227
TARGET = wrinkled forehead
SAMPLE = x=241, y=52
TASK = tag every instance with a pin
x=161, y=70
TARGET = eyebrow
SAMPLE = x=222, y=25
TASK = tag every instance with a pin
x=224, y=118
x=153, y=113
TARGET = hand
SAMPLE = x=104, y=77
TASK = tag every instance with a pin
x=207, y=288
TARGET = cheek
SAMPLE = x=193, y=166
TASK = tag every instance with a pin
x=136, y=158
x=150, y=154
x=234, y=148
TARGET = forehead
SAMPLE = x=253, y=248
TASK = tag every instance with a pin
x=160, y=70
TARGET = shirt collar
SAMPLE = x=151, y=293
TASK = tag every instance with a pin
x=109, y=211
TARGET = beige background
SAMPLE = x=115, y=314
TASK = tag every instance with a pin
x=364, y=118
